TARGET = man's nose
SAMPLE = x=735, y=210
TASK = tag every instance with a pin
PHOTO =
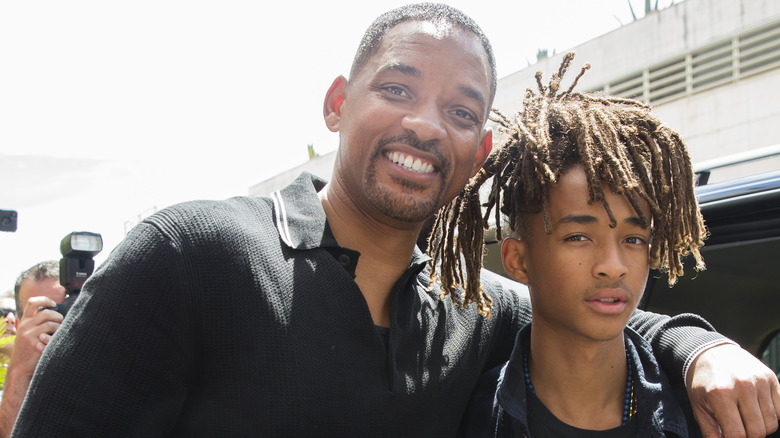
x=425, y=120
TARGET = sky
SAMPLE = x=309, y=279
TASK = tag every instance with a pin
x=110, y=111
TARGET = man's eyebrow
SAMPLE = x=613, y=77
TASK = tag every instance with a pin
x=473, y=93
x=470, y=92
x=402, y=68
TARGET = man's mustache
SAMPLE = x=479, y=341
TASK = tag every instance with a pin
x=412, y=140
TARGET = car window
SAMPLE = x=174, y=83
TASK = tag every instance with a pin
x=771, y=354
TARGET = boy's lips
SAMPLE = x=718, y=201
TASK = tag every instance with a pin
x=609, y=300
x=608, y=307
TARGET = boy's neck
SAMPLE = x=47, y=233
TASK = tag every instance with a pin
x=581, y=382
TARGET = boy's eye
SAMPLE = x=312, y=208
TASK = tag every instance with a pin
x=635, y=240
x=576, y=238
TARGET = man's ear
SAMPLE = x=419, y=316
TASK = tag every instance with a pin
x=513, y=253
x=485, y=146
x=334, y=101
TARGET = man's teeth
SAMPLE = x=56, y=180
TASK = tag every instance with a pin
x=408, y=162
x=608, y=300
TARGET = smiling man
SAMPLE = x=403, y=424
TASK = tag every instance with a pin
x=309, y=313
x=411, y=124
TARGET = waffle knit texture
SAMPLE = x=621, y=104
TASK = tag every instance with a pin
x=500, y=407
x=241, y=318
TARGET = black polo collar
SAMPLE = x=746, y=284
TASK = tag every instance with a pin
x=299, y=216
x=302, y=224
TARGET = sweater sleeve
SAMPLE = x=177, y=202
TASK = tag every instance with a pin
x=677, y=340
x=119, y=364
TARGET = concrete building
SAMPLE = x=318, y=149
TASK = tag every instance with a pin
x=709, y=68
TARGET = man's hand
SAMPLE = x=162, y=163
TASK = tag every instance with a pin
x=34, y=333
x=733, y=393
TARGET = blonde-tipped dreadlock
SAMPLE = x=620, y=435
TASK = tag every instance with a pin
x=617, y=141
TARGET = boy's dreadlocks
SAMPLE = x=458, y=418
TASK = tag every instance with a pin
x=617, y=141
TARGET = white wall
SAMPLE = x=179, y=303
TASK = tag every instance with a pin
x=723, y=120
x=321, y=166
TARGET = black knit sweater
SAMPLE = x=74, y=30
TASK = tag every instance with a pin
x=241, y=318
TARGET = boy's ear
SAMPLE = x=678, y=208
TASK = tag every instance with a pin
x=513, y=252
x=483, y=151
x=334, y=101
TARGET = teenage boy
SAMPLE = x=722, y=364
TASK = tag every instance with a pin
x=597, y=191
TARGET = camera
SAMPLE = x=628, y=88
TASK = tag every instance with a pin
x=78, y=250
x=8, y=220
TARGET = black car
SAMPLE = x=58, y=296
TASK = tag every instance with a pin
x=739, y=292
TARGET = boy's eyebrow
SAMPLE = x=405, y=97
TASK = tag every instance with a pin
x=414, y=72
x=584, y=219
x=581, y=219
x=633, y=220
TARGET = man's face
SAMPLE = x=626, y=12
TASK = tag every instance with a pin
x=412, y=122
x=585, y=278
x=48, y=287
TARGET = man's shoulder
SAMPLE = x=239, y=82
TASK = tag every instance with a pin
x=299, y=191
x=498, y=286
x=509, y=296
x=201, y=209
x=213, y=217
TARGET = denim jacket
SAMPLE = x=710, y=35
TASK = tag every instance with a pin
x=498, y=406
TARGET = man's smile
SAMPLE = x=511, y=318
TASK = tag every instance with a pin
x=409, y=162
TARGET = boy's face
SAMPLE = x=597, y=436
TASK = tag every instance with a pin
x=585, y=278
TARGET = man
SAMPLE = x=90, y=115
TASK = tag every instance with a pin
x=36, y=289
x=591, y=212
x=307, y=314
x=8, y=313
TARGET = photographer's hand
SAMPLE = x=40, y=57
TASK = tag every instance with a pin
x=34, y=331
x=32, y=335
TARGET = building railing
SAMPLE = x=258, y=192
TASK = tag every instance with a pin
x=750, y=53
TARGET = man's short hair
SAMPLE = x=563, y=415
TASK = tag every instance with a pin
x=429, y=12
x=40, y=271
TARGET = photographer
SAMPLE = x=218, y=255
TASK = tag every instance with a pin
x=35, y=290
